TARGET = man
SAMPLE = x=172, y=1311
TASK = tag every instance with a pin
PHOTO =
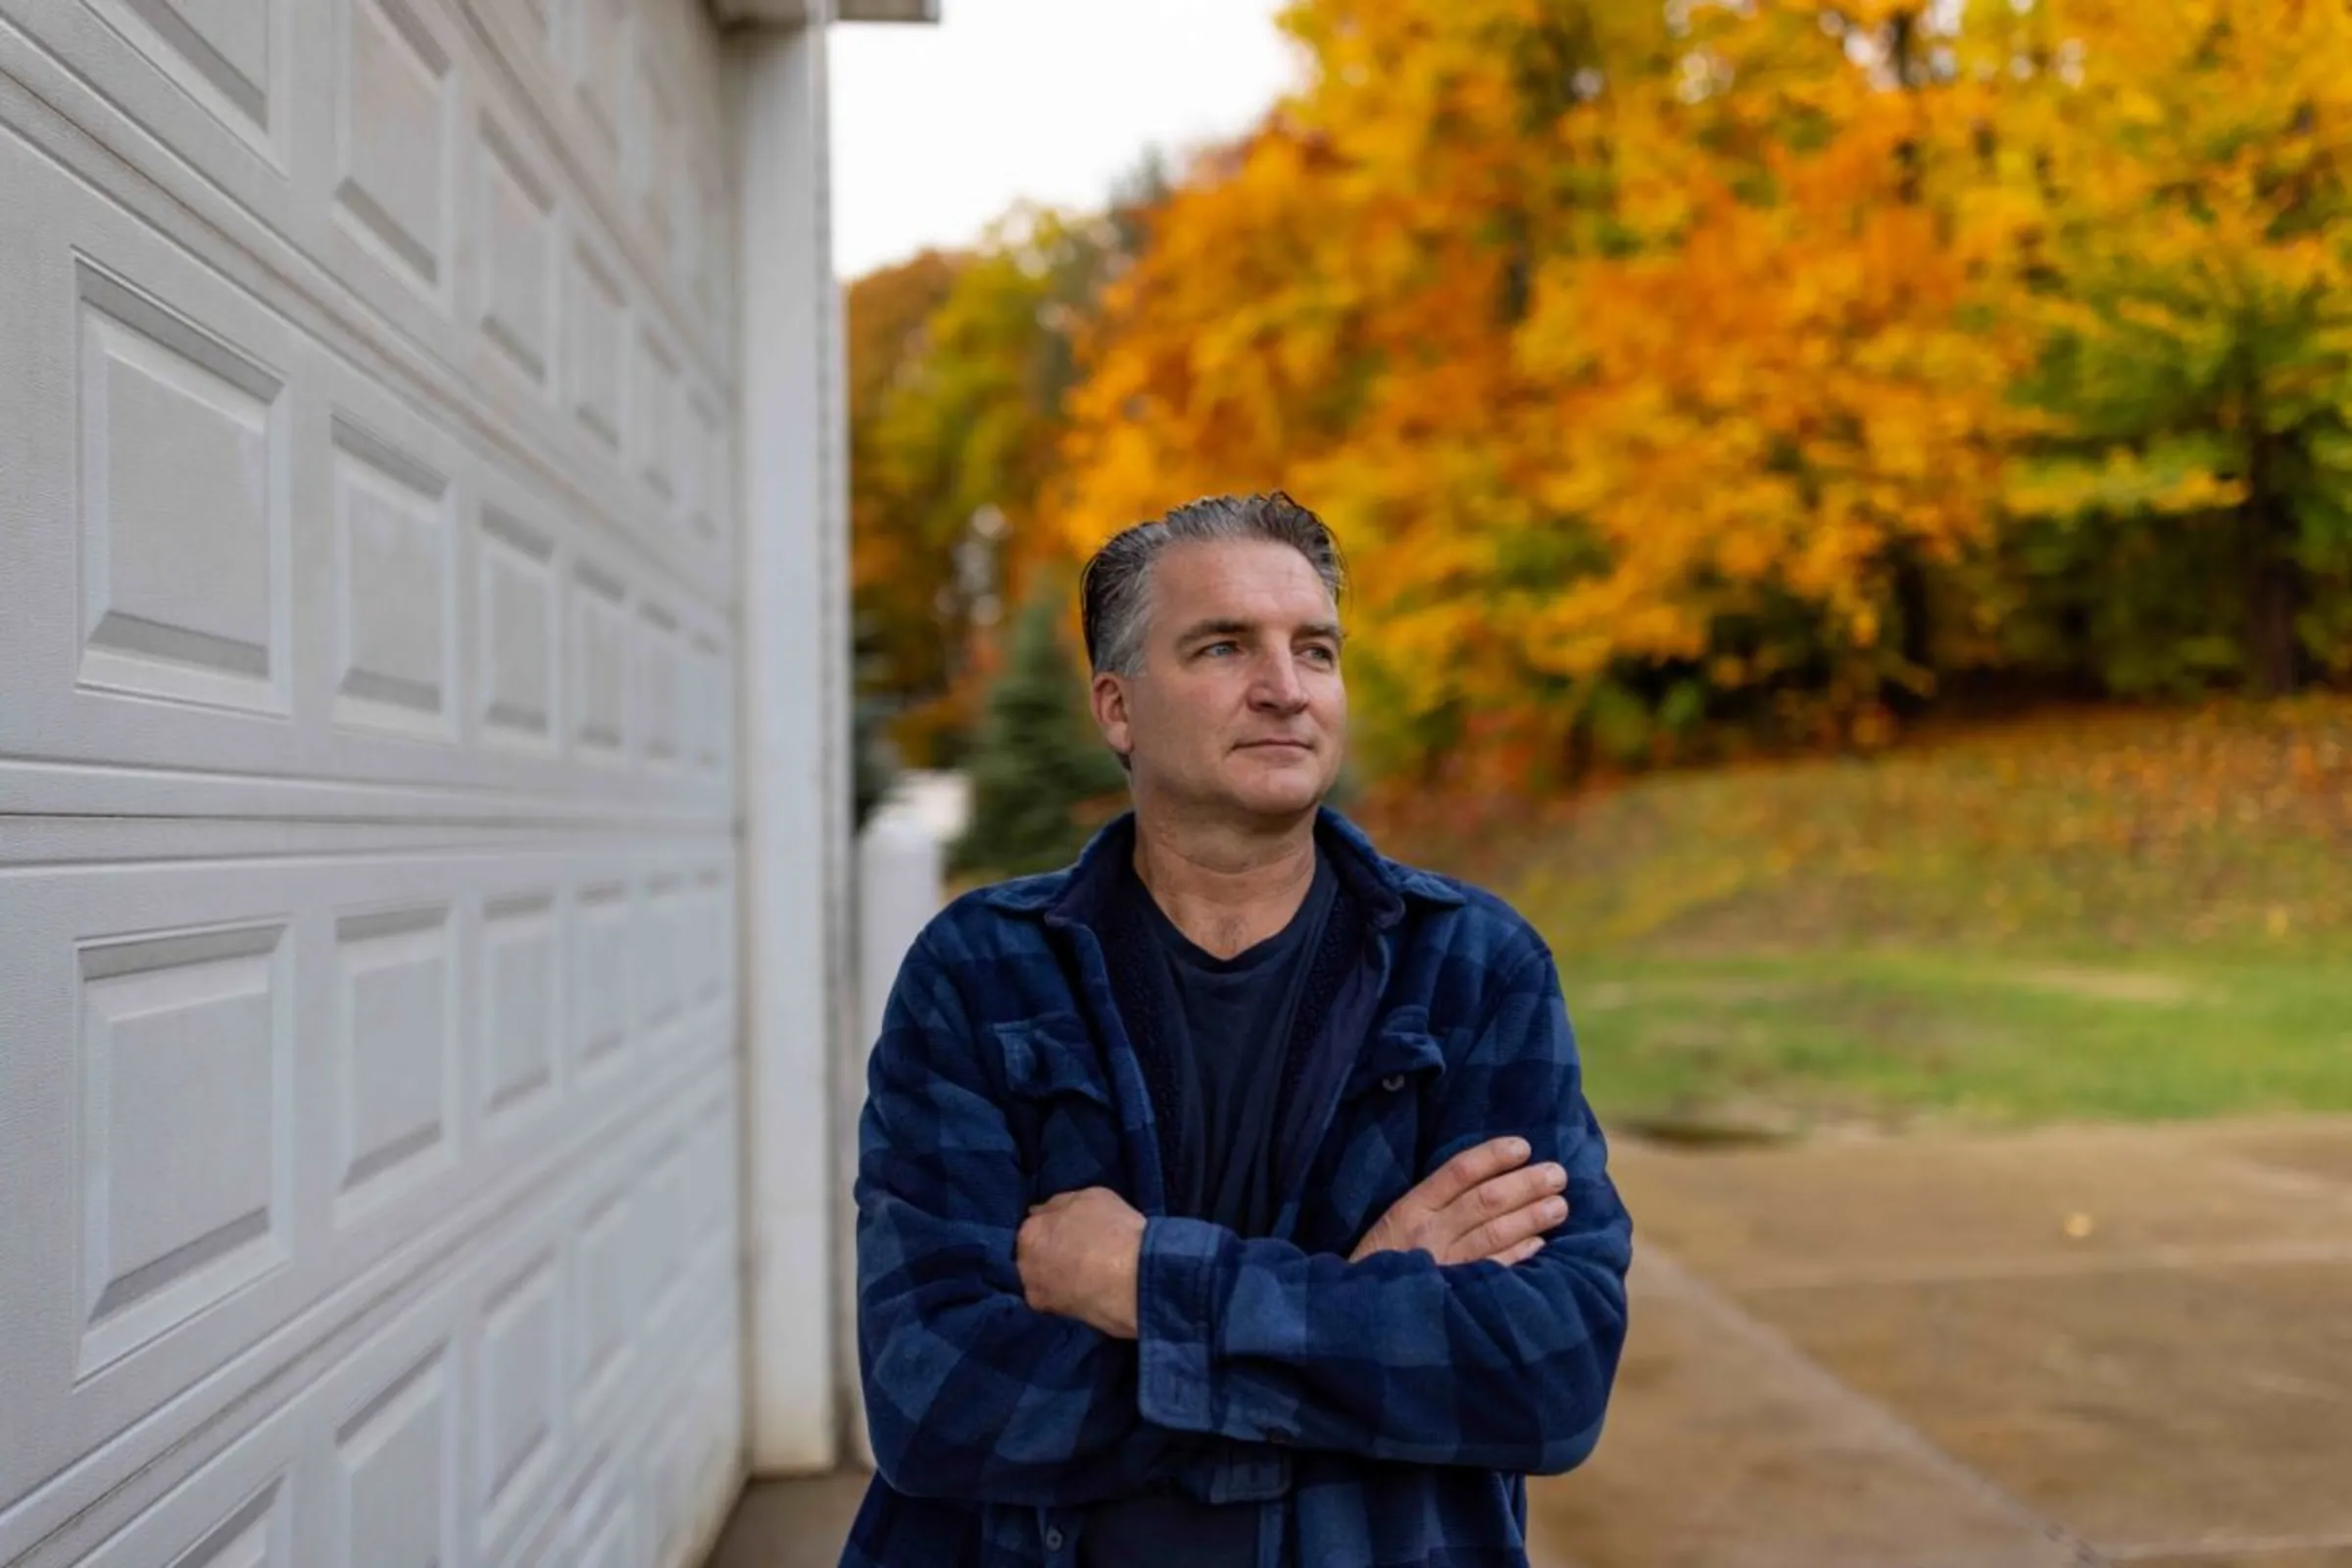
x=1229, y=1200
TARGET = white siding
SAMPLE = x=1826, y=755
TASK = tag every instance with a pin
x=368, y=636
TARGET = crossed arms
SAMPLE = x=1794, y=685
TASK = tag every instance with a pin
x=1083, y=1353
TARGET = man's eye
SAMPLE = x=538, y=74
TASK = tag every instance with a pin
x=1323, y=654
x=1222, y=648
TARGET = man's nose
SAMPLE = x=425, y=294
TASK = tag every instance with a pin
x=1278, y=687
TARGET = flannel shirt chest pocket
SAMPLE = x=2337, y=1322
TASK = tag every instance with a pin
x=1060, y=1106
x=1380, y=1132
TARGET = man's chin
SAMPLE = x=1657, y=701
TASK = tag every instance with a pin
x=1284, y=792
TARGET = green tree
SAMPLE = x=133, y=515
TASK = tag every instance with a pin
x=1042, y=779
x=2186, y=515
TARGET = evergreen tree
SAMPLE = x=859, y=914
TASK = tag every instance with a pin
x=1042, y=779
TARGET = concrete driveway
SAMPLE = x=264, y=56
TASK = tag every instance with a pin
x=2100, y=1345
x=2073, y=1345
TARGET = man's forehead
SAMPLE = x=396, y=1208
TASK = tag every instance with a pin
x=1254, y=579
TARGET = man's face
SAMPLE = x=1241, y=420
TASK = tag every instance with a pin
x=1240, y=705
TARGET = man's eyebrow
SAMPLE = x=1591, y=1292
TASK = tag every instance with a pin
x=1217, y=629
x=1227, y=627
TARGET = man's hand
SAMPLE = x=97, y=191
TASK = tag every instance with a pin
x=1484, y=1203
x=1079, y=1255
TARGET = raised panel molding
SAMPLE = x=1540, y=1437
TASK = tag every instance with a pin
x=608, y=1290
x=597, y=308
x=662, y=1219
x=229, y=55
x=398, y=112
x=659, y=692
x=519, y=979
x=184, y=508
x=518, y=249
x=599, y=638
x=520, y=1382
x=708, y=944
x=519, y=616
x=711, y=1177
x=661, y=933
x=185, y=1143
x=395, y=1054
x=395, y=588
x=658, y=164
x=705, y=450
x=256, y=1536
x=396, y=1470
x=601, y=975
x=714, y=705
x=608, y=1540
x=657, y=403
x=599, y=62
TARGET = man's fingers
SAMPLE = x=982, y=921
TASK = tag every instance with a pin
x=1508, y=1193
x=1466, y=1170
x=1522, y=1253
x=1499, y=1235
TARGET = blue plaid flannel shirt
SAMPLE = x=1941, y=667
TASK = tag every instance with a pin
x=1378, y=1414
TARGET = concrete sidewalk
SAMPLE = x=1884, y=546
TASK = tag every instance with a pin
x=2075, y=1345
x=791, y=1524
x=2072, y=1346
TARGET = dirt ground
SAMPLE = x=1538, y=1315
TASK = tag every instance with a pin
x=2073, y=1345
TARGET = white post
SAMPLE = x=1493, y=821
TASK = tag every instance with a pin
x=795, y=724
x=899, y=879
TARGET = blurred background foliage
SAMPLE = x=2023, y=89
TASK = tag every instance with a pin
x=1709, y=398
x=1681, y=378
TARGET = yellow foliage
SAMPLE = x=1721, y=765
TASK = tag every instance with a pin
x=1657, y=359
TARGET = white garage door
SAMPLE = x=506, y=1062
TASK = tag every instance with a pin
x=367, y=1082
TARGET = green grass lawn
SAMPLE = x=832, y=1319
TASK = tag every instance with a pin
x=1732, y=1047
x=2116, y=915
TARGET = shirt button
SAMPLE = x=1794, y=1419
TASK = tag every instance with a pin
x=1053, y=1540
x=1393, y=1082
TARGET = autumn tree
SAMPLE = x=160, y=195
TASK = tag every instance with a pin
x=895, y=573
x=1630, y=351
x=2191, y=279
x=960, y=368
x=1683, y=374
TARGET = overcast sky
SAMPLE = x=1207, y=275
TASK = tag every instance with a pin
x=937, y=131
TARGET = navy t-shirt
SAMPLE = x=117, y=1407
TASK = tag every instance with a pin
x=1231, y=1020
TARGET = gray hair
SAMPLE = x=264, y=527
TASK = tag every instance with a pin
x=1116, y=589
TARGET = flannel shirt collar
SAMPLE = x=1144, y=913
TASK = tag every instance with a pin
x=1077, y=893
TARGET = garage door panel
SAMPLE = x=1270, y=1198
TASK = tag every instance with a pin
x=518, y=242
x=383, y=618
x=449, y=1433
x=275, y=1088
x=340, y=124
x=366, y=815
x=427, y=218
x=397, y=118
x=231, y=109
x=259, y=534
x=153, y=416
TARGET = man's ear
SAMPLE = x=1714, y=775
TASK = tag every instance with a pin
x=1109, y=699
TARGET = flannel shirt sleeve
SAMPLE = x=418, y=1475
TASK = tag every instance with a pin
x=970, y=1394
x=1397, y=1357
